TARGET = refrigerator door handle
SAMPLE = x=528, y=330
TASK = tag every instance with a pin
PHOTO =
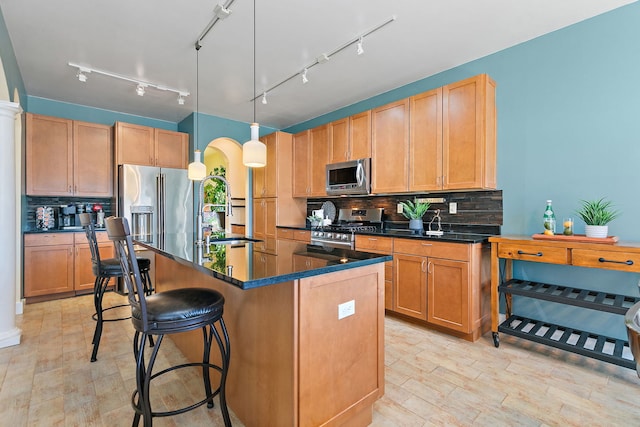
x=160, y=216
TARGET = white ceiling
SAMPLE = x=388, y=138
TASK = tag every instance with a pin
x=154, y=41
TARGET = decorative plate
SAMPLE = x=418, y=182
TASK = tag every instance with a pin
x=329, y=210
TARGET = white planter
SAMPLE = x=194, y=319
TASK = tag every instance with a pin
x=416, y=224
x=598, y=231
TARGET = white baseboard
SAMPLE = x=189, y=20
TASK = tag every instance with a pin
x=10, y=338
x=19, y=306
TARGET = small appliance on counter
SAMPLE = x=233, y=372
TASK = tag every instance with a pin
x=67, y=217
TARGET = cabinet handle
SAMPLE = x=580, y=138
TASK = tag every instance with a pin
x=70, y=192
x=371, y=239
x=529, y=253
x=422, y=266
x=429, y=269
x=426, y=244
x=628, y=262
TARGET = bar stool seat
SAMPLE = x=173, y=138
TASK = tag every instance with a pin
x=105, y=270
x=169, y=312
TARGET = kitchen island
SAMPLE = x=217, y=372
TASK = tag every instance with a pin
x=306, y=325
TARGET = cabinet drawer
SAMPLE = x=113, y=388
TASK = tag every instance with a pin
x=429, y=248
x=302, y=235
x=285, y=233
x=81, y=238
x=48, y=239
x=535, y=253
x=380, y=244
x=611, y=260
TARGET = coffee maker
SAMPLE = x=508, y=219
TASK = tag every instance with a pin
x=67, y=216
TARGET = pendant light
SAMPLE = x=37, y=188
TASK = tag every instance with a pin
x=197, y=170
x=254, y=151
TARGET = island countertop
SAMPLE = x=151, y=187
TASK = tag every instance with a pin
x=238, y=261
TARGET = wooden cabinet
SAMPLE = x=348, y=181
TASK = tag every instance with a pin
x=56, y=263
x=425, y=147
x=82, y=266
x=48, y=264
x=274, y=204
x=265, y=180
x=350, y=138
x=292, y=234
x=389, y=147
x=380, y=245
x=445, y=284
x=81, y=152
x=469, y=134
x=310, y=157
x=147, y=146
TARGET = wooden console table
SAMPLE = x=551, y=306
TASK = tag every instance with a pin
x=619, y=256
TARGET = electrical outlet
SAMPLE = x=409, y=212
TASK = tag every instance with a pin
x=346, y=309
x=399, y=208
x=453, y=207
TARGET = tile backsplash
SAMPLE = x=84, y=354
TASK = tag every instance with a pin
x=477, y=211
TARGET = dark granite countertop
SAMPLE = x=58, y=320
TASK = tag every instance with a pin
x=448, y=236
x=292, y=260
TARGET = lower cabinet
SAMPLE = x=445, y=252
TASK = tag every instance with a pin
x=380, y=245
x=59, y=263
x=293, y=234
x=443, y=284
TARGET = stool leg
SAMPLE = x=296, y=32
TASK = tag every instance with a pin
x=99, y=291
x=225, y=353
x=148, y=290
x=143, y=379
x=208, y=339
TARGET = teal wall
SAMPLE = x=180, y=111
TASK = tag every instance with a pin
x=10, y=65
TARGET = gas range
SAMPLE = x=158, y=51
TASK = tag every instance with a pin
x=350, y=221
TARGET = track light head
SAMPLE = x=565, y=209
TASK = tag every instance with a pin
x=81, y=76
x=140, y=89
x=180, y=99
x=304, y=76
x=220, y=12
x=264, y=98
x=359, y=49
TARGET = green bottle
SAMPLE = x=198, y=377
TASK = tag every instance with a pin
x=549, y=219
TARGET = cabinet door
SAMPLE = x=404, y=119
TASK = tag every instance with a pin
x=301, y=164
x=271, y=169
x=425, y=146
x=339, y=141
x=134, y=144
x=469, y=142
x=259, y=175
x=259, y=219
x=360, y=135
x=410, y=293
x=83, y=268
x=389, y=147
x=171, y=149
x=92, y=160
x=448, y=294
x=48, y=270
x=319, y=137
x=49, y=156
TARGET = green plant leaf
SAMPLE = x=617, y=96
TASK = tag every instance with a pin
x=412, y=210
x=597, y=212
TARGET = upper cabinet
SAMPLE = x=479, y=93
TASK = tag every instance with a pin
x=350, y=138
x=147, y=146
x=81, y=152
x=266, y=180
x=389, y=146
x=469, y=134
x=310, y=157
x=425, y=147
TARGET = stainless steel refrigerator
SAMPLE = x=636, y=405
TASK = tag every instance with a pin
x=158, y=203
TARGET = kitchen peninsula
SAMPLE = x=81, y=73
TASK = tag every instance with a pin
x=305, y=323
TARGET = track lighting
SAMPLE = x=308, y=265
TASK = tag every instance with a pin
x=324, y=57
x=359, y=49
x=264, y=98
x=220, y=12
x=141, y=86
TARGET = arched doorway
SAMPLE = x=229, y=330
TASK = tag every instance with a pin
x=227, y=153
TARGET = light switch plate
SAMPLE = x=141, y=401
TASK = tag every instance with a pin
x=346, y=309
x=453, y=207
x=399, y=208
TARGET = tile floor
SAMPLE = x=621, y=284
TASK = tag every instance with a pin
x=432, y=379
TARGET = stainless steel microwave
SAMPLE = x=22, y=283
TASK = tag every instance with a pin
x=352, y=177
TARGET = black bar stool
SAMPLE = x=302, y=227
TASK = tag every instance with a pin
x=104, y=270
x=170, y=312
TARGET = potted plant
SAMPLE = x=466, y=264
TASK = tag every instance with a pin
x=414, y=213
x=596, y=214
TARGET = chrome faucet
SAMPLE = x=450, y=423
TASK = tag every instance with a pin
x=228, y=208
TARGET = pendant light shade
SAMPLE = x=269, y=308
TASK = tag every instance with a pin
x=254, y=152
x=197, y=170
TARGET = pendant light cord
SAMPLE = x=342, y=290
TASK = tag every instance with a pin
x=197, y=89
x=254, y=61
